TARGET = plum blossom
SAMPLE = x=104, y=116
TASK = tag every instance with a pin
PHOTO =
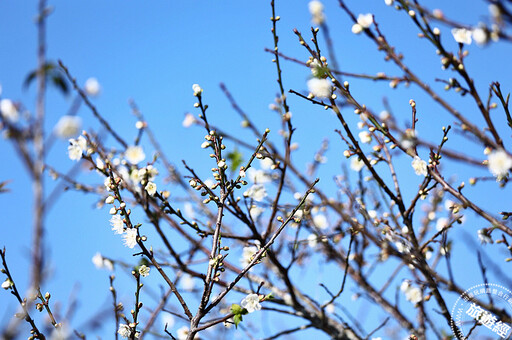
x=247, y=255
x=256, y=192
x=462, y=35
x=316, y=9
x=363, y=21
x=144, y=270
x=68, y=126
x=251, y=302
x=100, y=262
x=356, y=164
x=117, y=224
x=76, y=148
x=150, y=188
x=134, y=154
x=197, y=89
x=499, y=164
x=92, y=87
x=419, y=166
x=130, y=238
x=320, y=88
x=8, y=110
x=484, y=236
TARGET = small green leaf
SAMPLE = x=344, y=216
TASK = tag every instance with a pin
x=236, y=309
x=235, y=158
x=237, y=319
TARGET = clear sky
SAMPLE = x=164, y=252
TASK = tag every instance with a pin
x=152, y=52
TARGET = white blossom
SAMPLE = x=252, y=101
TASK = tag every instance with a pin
x=480, y=35
x=251, y=302
x=256, y=192
x=419, y=166
x=484, y=237
x=188, y=283
x=130, y=238
x=189, y=120
x=316, y=9
x=6, y=284
x=441, y=223
x=117, y=224
x=100, y=262
x=320, y=88
x=499, y=164
x=68, y=126
x=9, y=110
x=312, y=240
x=182, y=333
x=365, y=137
x=365, y=20
x=144, y=270
x=76, y=148
x=389, y=2
x=197, y=89
x=356, y=164
x=356, y=28
x=255, y=212
x=124, y=330
x=92, y=87
x=258, y=176
x=134, y=154
x=414, y=295
x=462, y=35
x=150, y=188
x=320, y=221
x=247, y=254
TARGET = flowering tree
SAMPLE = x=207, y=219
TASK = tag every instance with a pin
x=366, y=245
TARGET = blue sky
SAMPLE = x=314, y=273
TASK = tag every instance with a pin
x=154, y=52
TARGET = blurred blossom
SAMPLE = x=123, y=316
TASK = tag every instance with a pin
x=92, y=87
x=256, y=192
x=480, y=35
x=320, y=88
x=484, y=236
x=441, y=223
x=365, y=137
x=9, y=110
x=100, y=262
x=134, y=154
x=247, y=254
x=499, y=164
x=316, y=9
x=320, y=221
x=189, y=120
x=197, y=89
x=356, y=164
x=419, y=166
x=462, y=35
x=68, y=126
x=312, y=240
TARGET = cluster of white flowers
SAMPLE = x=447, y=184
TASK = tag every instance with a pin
x=134, y=154
x=144, y=270
x=499, y=163
x=412, y=294
x=76, y=148
x=68, y=126
x=320, y=88
x=256, y=192
x=363, y=21
x=9, y=111
x=92, y=87
x=419, y=166
x=251, y=302
x=100, y=262
x=316, y=9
